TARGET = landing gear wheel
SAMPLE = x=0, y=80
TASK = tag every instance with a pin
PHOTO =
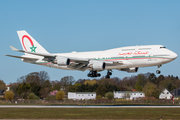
x=94, y=74
x=98, y=75
x=107, y=76
x=88, y=75
x=158, y=71
x=109, y=73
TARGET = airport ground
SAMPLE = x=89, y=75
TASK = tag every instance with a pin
x=90, y=102
x=90, y=113
x=29, y=109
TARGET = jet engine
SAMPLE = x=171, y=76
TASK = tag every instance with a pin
x=130, y=70
x=63, y=61
x=99, y=65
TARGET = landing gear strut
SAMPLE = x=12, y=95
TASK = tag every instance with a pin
x=108, y=74
x=158, y=71
x=93, y=74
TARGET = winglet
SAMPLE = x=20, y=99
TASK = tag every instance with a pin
x=13, y=48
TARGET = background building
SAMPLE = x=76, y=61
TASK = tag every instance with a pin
x=128, y=95
x=176, y=92
x=165, y=94
x=81, y=95
x=2, y=92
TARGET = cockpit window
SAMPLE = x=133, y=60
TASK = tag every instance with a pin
x=162, y=47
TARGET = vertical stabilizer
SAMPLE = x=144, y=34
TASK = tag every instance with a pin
x=29, y=43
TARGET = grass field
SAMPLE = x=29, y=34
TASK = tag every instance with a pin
x=90, y=113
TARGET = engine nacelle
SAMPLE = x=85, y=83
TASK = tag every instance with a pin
x=99, y=65
x=63, y=61
x=130, y=70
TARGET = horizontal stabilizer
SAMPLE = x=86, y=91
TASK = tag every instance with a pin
x=39, y=54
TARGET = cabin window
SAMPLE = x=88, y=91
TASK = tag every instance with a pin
x=144, y=48
x=162, y=47
x=162, y=55
x=127, y=49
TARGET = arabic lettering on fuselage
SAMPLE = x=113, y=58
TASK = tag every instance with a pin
x=134, y=53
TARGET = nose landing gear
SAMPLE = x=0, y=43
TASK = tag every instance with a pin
x=158, y=71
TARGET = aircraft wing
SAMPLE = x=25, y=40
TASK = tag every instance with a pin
x=22, y=57
x=114, y=62
x=120, y=62
x=78, y=66
x=82, y=65
x=79, y=60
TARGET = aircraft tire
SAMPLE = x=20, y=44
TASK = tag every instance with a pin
x=158, y=71
x=107, y=76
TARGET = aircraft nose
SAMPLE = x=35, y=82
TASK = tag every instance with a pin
x=174, y=55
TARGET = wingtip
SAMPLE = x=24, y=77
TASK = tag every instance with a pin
x=7, y=55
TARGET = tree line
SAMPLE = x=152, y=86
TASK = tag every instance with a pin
x=38, y=85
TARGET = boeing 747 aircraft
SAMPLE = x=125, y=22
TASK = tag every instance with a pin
x=127, y=59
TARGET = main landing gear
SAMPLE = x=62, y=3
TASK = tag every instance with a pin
x=158, y=71
x=96, y=74
x=93, y=74
x=108, y=74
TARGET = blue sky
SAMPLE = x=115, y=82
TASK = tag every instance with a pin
x=87, y=25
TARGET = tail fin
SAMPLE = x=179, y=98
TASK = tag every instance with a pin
x=29, y=43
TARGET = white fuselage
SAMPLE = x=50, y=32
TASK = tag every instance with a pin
x=133, y=56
